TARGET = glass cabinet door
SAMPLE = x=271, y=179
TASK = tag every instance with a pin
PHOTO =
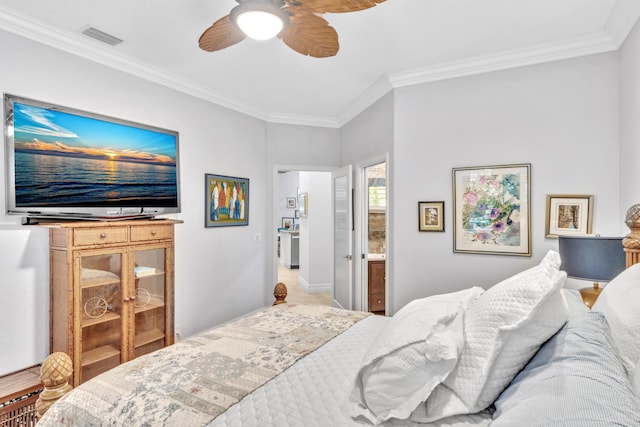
x=149, y=299
x=100, y=313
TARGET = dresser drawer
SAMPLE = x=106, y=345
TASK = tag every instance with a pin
x=100, y=236
x=142, y=233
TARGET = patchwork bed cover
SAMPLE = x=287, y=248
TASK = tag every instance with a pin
x=288, y=365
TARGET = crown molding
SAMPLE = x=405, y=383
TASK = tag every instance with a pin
x=302, y=120
x=620, y=23
x=39, y=32
x=504, y=60
x=622, y=20
x=371, y=95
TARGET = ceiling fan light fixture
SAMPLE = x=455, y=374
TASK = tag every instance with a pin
x=259, y=25
x=259, y=21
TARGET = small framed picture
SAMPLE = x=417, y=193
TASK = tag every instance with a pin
x=291, y=203
x=569, y=215
x=431, y=216
x=287, y=222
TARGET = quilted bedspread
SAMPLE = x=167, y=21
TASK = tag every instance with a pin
x=194, y=381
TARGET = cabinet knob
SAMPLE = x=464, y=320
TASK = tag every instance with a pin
x=103, y=235
x=379, y=301
x=153, y=232
x=127, y=299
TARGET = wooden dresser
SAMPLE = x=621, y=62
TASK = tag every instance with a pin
x=112, y=295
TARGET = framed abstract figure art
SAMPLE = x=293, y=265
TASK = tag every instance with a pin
x=226, y=201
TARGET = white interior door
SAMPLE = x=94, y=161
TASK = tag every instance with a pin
x=342, y=190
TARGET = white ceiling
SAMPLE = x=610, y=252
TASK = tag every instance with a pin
x=395, y=44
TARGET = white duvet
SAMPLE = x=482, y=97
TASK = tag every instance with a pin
x=313, y=392
x=436, y=361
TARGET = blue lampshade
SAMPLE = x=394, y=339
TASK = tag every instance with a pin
x=594, y=258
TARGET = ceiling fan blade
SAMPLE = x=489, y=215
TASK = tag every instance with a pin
x=223, y=33
x=311, y=35
x=332, y=6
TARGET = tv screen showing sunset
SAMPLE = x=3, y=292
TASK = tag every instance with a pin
x=63, y=159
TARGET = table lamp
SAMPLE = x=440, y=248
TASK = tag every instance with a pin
x=595, y=258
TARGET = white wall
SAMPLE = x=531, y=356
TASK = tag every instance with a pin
x=316, y=235
x=630, y=121
x=220, y=272
x=24, y=296
x=369, y=134
x=299, y=146
x=562, y=117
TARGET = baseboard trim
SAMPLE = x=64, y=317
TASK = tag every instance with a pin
x=314, y=288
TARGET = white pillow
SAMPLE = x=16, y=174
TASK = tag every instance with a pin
x=618, y=302
x=503, y=329
x=415, y=351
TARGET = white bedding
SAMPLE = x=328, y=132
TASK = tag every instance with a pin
x=408, y=367
x=313, y=392
x=619, y=304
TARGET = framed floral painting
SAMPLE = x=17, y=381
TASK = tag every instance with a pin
x=491, y=209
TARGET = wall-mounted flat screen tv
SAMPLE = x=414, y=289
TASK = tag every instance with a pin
x=62, y=162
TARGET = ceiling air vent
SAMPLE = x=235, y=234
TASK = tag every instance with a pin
x=102, y=36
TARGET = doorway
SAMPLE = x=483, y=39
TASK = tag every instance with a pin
x=300, y=238
x=373, y=186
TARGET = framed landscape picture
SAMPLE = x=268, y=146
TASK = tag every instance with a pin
x=491, y=209
x=569, y=215
x=226, y=200
x=431, y=216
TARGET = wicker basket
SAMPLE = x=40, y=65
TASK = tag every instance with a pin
x=20, y=412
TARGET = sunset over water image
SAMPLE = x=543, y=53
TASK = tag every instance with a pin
x=64, y=159
x=49, y=132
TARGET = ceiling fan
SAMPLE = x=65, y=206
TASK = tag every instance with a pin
x=296, y=22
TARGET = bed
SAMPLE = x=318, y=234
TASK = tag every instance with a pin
x=526, y=351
